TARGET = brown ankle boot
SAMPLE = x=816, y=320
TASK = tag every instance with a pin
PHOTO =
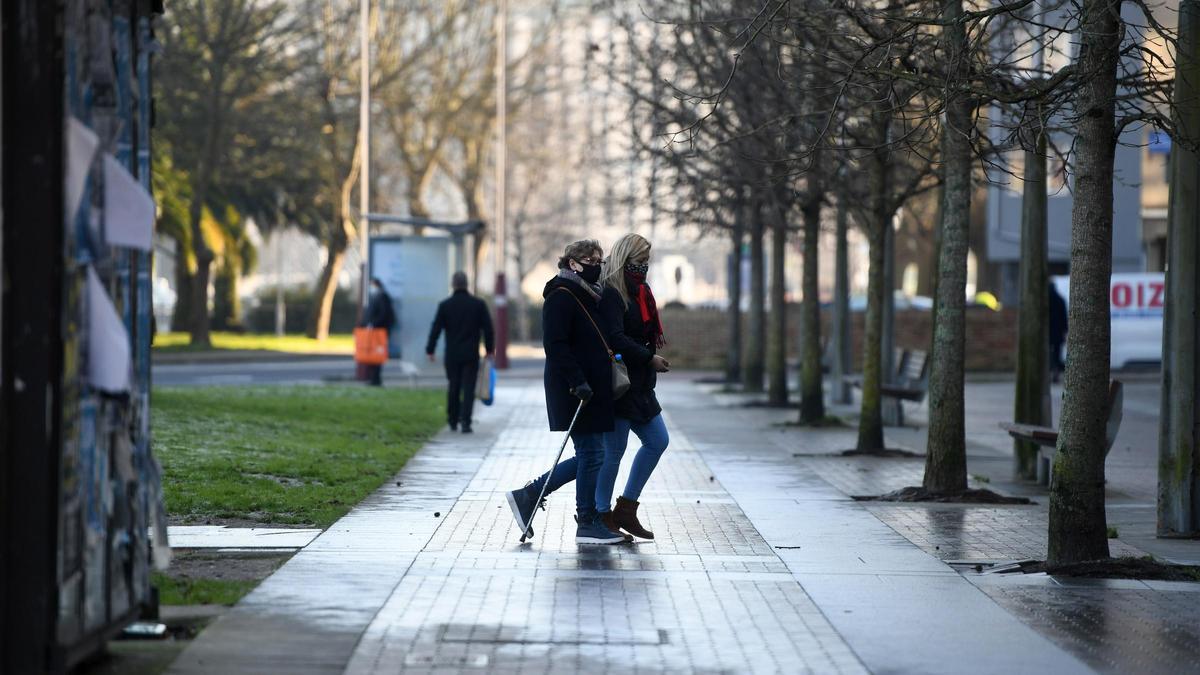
x=607, y=520
x=625, y=517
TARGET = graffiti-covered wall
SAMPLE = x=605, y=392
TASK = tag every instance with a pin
x=110, y=492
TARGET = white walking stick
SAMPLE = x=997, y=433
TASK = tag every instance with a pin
x=529, y=525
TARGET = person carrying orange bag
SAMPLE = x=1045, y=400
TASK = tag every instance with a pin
x=371, y=336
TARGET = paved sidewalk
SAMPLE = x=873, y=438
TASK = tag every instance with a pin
x=760, y=565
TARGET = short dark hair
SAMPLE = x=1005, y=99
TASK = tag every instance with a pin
x=578, y=249
x=459, y=281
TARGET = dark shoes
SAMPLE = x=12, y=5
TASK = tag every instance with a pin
x=466, y=428
x=592, y=531
x=453, y=426
x=523, y=502
x=624, y=517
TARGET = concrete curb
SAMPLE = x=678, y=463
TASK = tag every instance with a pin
x=240, y=356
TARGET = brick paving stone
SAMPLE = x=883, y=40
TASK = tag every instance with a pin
x=1114, y=630
x=976, y=532
x=708, y=595
x=394, y=588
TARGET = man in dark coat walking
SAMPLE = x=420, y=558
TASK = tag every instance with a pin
x=465, y=318
x=1058, y=331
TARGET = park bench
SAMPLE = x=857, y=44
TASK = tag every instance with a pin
x=1046, y=438
x=909, y=383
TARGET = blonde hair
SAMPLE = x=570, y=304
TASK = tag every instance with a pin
x=627, y=248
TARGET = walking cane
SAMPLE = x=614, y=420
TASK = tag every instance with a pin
x=561, y=448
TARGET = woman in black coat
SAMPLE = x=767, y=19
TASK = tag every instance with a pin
x=578, y=379
x=378, y=314
x=634, y=331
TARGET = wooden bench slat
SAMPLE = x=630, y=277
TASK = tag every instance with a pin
x=1031, y=432
x=905, y=393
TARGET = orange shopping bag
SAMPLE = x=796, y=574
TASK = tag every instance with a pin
x=371, y=346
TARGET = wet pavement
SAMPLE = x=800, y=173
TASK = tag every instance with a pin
x=762, y=563
x=239, y=538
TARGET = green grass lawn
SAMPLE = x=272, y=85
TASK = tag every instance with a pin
x=295, y=455
x=174, y=591
x=295, y=344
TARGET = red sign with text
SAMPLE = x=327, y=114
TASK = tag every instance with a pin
x=1136, y=295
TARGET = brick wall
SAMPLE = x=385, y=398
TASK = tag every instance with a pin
x=699, y=338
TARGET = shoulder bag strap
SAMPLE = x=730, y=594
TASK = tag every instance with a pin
x=589, y=317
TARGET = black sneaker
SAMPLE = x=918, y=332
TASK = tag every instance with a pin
x=466, y=428
x=523, y=502
x=454, y=426
x=595, y=532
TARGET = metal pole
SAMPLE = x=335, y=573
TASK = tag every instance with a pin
x=364, y=145
x=501, y=296
x=280, y=309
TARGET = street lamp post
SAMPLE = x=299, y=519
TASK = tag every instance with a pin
x=364, y=143
x=501, y=296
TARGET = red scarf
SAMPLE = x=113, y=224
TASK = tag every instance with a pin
x=649, y=309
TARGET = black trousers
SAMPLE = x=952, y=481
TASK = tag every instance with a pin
x=460, y=395
x=375, y=375
x=1056, y=360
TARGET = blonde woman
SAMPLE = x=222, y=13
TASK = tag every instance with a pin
x=630, y=317
x=577, y=369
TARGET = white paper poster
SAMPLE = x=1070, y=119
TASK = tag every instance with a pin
x=81, y=148
x=128, y=208
x=108, y=341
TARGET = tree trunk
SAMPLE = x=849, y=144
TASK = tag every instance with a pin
x=887, y=340
x=1179, y=458
x=473, y=194
x=733, y=358
x=1077, y=520
x=199, y=324
x=181, y=316
x=870, y=423
x=777, y=375
x=322, y=311
x=227, y=306
x=840, y=347
x=946, y=450
x=937, y=252
x=322, y=307
x=752, y=375
x=520, y=260
x=1032, y=404
x=812, y=388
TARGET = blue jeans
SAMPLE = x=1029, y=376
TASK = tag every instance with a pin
x=653, y=435
x=583, y=469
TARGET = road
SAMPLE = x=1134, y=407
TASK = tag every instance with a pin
x=306, y=370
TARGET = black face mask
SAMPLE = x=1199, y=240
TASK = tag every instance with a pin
x=590, y=273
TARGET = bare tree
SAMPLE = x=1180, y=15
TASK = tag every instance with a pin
x=402, y=33
x=222, y=55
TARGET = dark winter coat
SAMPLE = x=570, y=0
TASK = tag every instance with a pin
x=631, y=337
x=575, y=354
x=379, y=313
x=1058, y=317
x=465, y=318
